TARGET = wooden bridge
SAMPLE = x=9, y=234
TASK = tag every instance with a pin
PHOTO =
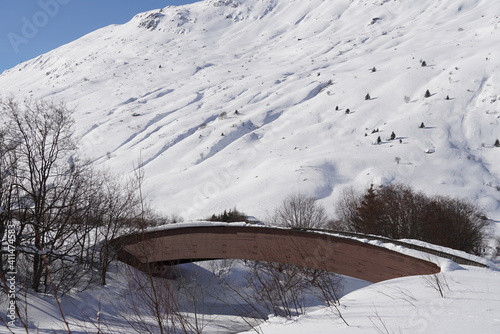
x=151, y=251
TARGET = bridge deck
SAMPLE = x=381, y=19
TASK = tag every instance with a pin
x=302, y=248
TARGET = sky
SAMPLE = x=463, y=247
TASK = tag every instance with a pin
x=29, y=28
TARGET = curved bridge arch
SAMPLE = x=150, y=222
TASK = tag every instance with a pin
x=309, y=249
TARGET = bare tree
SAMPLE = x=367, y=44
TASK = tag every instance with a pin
x=8, y=166
x=347, y=210
x=57, y=198
x=400, y=208
x=300, y=210
x=117, y=209
x=41, y=133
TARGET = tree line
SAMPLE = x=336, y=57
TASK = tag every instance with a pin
x=398, y=211
x=395, y=211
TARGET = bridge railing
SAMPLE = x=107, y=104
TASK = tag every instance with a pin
x=453, y=257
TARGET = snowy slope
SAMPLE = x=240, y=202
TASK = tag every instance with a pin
x=408, y=305
x=165, y=87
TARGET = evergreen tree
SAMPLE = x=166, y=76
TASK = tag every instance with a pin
x=424, y=64
x=379, y=140
x=497, y=143
x=422, y=125
x=393, y=135
x=229, y=216
x=367, y=97
x=427, y=93
x=369, y=213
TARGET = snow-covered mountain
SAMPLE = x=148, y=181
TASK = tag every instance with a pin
x=238, y=103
